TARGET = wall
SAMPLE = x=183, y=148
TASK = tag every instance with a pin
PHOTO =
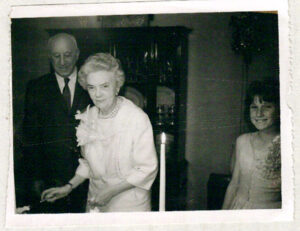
x=214, y=86
x=214, y=99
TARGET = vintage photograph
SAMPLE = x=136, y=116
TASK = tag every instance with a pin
x=156, y=112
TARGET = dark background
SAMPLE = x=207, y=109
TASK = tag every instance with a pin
x=218, y=74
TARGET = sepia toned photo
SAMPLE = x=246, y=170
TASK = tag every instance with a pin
x=156, y=112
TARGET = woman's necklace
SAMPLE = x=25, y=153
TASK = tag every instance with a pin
x=113, y=112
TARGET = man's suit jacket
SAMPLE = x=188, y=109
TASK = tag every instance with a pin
x=50, y=150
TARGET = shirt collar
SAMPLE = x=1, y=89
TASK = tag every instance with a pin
x=71, y=77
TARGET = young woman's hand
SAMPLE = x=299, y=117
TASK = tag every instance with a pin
x=53, y=194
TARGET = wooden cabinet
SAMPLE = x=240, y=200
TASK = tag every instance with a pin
x=155, y=63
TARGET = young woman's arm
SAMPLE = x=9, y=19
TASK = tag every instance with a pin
x=234, y=183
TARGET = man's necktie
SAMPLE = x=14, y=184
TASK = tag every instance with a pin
x=67, y=93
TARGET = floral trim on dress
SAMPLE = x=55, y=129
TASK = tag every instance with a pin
x=86, y=132
x=271, y=165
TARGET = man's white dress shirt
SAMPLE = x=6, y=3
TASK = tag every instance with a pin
x=71, y=84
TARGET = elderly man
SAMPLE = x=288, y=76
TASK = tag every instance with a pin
x=50, y=150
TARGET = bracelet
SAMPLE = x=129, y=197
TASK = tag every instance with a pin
x=70, y=185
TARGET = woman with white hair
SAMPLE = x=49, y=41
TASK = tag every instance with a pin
x=116, y=139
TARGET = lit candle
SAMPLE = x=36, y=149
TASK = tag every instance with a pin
x=162, y=180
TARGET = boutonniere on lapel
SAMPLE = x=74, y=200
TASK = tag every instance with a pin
x=86, y=132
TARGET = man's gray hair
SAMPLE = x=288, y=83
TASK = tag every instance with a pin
x=61, y=35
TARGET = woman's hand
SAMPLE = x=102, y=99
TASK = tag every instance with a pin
x=108, y=192
x=53, y=194
x=103, y=197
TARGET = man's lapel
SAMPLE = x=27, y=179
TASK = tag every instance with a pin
x=55, y=94
x=77, y=98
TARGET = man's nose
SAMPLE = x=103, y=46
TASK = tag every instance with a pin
x=62, y=60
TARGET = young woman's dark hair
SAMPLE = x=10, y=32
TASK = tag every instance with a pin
x=268, y=91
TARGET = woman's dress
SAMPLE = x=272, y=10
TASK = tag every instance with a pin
x=117, y=149
x=259, y=184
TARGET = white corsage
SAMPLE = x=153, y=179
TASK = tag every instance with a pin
x=86, y=132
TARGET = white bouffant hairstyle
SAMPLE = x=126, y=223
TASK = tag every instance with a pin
x=101, y=62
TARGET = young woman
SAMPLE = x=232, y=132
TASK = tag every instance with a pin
x=117, y=144
x=256, y=180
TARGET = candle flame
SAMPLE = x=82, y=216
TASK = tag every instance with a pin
x=163, y=138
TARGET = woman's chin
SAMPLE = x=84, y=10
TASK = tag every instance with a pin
x=262, y=127
x=99, y=105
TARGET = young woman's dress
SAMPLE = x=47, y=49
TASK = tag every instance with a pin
x=259, y=185
x=119, y=148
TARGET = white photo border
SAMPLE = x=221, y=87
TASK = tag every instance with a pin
x=286, y=214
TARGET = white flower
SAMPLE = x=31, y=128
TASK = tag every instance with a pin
x=83, y=116
x=86, y=132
